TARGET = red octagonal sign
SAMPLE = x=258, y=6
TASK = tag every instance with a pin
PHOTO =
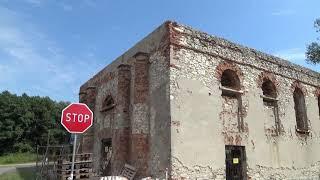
x=77, y=118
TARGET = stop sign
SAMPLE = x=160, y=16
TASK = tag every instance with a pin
x=77, y=118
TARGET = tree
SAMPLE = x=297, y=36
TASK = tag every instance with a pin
x=313, y=49
x=25, y=122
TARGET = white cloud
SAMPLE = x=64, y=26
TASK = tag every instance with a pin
x=36, y=64
x=283, y=12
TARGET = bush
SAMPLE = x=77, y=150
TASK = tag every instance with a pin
x=22, y=148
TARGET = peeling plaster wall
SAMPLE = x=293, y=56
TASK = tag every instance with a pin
x=203, y=122
x=160, y=142
x=183, y=124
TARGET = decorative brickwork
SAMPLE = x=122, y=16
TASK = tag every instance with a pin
x=120, y=149
x=297, y=84
x=121, y=126
x=141, y=84
x=140, y=153
x=267, y=76
x=123, y=97
x=140, y=118
x=228, y=65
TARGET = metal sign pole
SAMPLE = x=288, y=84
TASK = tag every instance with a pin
x=73, y=156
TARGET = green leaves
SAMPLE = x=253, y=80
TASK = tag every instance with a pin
x=313, y=53
x=313, y=49
x=25, y=122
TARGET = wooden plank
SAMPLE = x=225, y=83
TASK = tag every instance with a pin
x=62, y=161
x=76, y=166
x=85, y=155
x=76, y=162
x=128, y=171
x=77, y=171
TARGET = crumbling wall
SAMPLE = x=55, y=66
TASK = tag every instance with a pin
x=170, y=116
x=203, y=122
x=103, y=121
x=139, y=124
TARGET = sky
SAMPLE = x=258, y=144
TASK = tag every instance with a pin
x=51, y=47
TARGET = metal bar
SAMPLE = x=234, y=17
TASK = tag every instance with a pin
x=37, y=165
x=44, y=159
x=37, y=157
x=73, y=155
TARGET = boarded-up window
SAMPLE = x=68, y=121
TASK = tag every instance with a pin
x=300, y=110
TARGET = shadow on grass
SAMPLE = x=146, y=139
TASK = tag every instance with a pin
x=27, y=173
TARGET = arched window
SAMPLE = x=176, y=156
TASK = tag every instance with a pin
x=269, y=96
x=300, y=110
x=230, y=83
x=269, y=89
x=269, y=92
x=231, y=89
x=230, y=79
x=108, y=103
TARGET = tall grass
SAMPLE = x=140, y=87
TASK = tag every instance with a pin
x=18, y=158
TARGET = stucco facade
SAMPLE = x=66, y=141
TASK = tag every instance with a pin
x=172, y=110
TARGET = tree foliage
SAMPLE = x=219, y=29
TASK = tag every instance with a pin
x=313, y=49
x=26, y=120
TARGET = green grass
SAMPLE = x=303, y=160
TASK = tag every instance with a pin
x=17, y=158
x=19, y=174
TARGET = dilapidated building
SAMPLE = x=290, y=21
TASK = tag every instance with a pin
x=195, y=106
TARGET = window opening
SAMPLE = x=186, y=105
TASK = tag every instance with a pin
x=300, y=111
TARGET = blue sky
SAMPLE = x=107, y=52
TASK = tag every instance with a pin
x=51, y=47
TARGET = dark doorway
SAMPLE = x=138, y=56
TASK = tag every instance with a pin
x=106, y=154
x=236, y=166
